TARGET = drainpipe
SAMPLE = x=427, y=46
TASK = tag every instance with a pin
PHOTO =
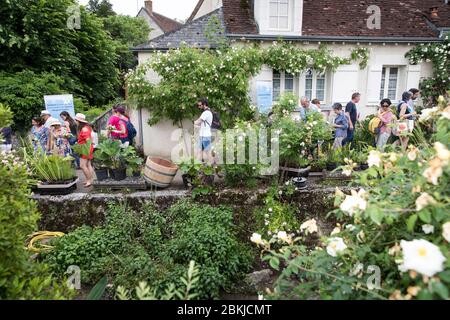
x=141, y=134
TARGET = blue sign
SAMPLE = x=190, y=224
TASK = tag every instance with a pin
x=59, y=103
x=264, y=95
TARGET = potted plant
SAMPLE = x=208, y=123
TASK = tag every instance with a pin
x=111, y=155
x=55, y=174
x=134, y=163
x=189, y=171
x=319, y=164
x=361, y=159
x=333, y=159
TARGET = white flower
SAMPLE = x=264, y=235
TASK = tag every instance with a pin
x=283, y=236
x=422, y=256
x=427, y=113
x=446, y=231
x=335, y=245
x=374, y=158
x=424, y=200
x=412, y=154
x=270, y=209
x=350, y=227
x=428, y=228
x=335, y=231
x=310, y=226
x=354, y=202
x=442, y=152
x=361, y=236
x=347, y=172
x=256, y=238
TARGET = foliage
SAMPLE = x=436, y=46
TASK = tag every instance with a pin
x=35, y=36
x=187, y=74
x=50, y=168
x=220, y=75
x=24, y=93
x=198, y=175
x=185, y=292
x=147, y=246
x=395, y=230
x=299, y=139
x=439, y=55
x=285, y=105
x=6, y=116
x=276, y=215
x=101, y=8
x=21, y=277
x=111, y=154
x=127, y=32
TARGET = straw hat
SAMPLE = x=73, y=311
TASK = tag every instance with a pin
x=81, y=118
x=45, y=113
x=54, y=122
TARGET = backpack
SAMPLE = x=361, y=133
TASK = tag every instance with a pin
x=374, y=125
x=216, y=125
x=130, y=129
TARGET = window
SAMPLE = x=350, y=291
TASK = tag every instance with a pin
x=282, y=82
x=279, y=14
x=315, y=85
x=389, y=82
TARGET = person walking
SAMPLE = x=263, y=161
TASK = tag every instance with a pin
x=205, y=135
x=85, y=138
x=117, y=125
x=47, y=118
x=405, y=114
x=71, y=128
x=306, y=107
x=58, y=144
x=341, y=126
x=39, y=135
x=386, y=119
x=351, y=111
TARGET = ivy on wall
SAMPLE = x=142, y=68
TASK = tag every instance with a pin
x=222, y=76
x=439, y=55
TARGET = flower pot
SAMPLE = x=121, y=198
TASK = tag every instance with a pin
x=187, y=180
x=56, y=188
x=136, y=174
x=119, y=174
x=159, y=172
x=364, y=166
x=331, y=166
x=101, y=174
x=299, y=182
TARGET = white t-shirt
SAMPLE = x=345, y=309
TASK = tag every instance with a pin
x=205, y=128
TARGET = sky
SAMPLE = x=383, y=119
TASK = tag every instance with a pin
x=179, y=9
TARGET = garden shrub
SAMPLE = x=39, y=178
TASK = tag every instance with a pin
x=394, y=232
x=148, y=246
x=20, y=276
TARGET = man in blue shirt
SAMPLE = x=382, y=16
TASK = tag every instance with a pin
x=352, y=117
x=341, y=125
x=306, y=107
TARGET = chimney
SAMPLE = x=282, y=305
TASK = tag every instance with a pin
x=149, y=7
x=434, y=13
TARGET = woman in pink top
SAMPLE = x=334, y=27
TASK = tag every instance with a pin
x=117, y=128
x=386, y=116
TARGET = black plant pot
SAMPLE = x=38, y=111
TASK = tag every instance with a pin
x=119, y=174
x=299, y=182
x=101, y=174
x=136, y=174
x=187, y=180
x=364, y=166
x=331, y=166
x=304, y=172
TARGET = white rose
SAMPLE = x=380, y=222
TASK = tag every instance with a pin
x=374, y=158
x=335, y=246
x=354, y=202
x=424, y=200
x=256, y=238
x=428, y=228
x=446, y=231
x=422, y=256
x=310, y=226
x=283, y=236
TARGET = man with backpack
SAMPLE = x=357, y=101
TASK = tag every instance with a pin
x=207, y=123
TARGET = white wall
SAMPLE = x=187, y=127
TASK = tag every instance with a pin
x=295, y=21
x=207, y=7
x=156, y=30
x=350, y=78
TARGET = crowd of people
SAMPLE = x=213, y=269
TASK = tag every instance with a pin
x=389, y=122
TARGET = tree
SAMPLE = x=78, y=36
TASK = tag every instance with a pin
x=34, y=35
x=127, y=32
x=101, y=8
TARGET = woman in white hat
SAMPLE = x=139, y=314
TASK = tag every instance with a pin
x=85, y=138
x=58, y=144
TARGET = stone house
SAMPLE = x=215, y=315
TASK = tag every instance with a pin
x=389, y=29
